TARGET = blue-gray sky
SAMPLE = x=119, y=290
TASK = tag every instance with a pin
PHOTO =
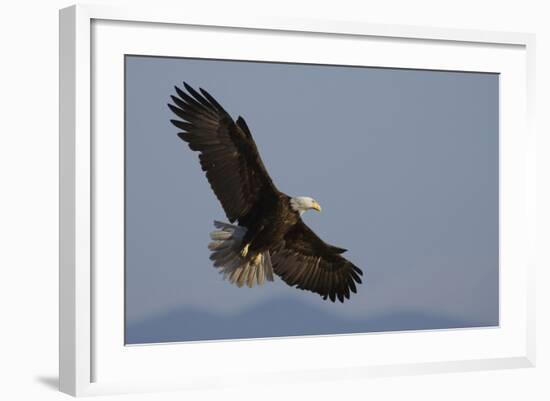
x=403, y=162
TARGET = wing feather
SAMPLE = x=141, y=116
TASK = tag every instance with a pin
x=305, y=261
x=227, y=152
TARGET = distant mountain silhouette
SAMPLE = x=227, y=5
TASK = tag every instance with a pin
x=278, y=318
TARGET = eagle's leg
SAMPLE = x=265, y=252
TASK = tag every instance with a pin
x=249, y=238
x=257, y=260
x=244, y=251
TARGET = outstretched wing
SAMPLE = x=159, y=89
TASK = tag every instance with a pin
x=307, y=262
x=228, y=153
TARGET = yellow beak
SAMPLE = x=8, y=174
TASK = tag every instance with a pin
x=316, y=206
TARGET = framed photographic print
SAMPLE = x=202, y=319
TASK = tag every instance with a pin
x=197, y=153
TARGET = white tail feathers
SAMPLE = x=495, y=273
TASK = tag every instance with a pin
x=226, y=246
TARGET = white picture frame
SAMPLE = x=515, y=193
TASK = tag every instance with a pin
x=93, y=360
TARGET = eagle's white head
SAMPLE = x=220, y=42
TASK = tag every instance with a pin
x=302, y=203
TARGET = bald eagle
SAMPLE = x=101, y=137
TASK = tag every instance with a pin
x=270, y=235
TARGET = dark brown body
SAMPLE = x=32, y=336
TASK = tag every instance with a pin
x=268, y=224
